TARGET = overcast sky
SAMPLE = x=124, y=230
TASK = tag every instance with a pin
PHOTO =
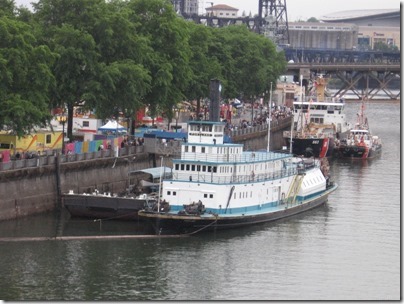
x=296, y=9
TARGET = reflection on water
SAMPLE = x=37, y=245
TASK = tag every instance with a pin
x=348, y=249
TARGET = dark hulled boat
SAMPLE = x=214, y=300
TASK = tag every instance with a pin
x=318, y=122
x=360, y=143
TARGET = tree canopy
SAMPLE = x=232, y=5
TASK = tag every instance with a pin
x=118, y=56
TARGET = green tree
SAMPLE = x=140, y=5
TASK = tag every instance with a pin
x=25, y=78
x=204, y=64
x=313, y=19
x=168, y=63
x=98, y=44
x=74, y=70
x=253, y=60
x=124, y=80
x=384, y=47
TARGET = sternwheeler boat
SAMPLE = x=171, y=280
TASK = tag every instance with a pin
x=217, y=185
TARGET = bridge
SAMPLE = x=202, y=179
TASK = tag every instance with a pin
x=364, y=73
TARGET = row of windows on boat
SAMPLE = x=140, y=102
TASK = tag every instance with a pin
x=205, y=134
x=222, y=169
x=205, y=128
x=218, y=150
x=330, y=109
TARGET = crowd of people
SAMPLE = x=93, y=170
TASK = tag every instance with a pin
x=240, y=120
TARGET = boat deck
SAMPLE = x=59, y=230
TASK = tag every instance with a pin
x=255, y=212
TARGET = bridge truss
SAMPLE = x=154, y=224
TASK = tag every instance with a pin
x=362, y=73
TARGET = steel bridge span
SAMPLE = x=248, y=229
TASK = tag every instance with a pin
x=365, y=80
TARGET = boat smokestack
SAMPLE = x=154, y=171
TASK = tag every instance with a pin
x=214, y=106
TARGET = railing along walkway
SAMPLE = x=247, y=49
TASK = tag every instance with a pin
x=49, y=160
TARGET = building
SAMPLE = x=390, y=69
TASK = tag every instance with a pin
x=191, y=7
x=375, y=25
x=222, y=11
x=319, y=35
x=348, y=30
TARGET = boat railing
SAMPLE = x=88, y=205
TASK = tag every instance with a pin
x=297, y=134
x=233, y=179
x=245, y=157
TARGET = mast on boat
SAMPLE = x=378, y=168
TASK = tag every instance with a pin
x=161, y=174
x=269, y=118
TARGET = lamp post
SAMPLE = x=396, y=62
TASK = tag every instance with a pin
x=252, y=110
x=177, y=113
x=62, y=119
x=176, y=116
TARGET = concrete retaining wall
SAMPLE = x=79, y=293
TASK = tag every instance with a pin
x=34, y=190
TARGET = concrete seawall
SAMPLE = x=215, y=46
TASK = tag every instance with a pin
x=34, y=190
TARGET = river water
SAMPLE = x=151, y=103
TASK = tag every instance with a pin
x=348, y=249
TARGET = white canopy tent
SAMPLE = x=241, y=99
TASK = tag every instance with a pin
x=112, y=126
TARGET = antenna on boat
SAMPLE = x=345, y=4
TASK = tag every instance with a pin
x=161, y=174
x=269, y=118
x=291, y=133
x=301, y=100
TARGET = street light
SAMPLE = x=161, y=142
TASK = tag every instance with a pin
x=176, y=115
x=176, y=112
x=62, y=119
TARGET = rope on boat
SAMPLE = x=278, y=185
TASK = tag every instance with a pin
x=114, y=217
x=201, y=228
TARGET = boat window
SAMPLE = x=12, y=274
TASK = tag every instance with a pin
x=198, y=168
x=168, y=192
x=204, y=168
x=174, y=193
x=182, y=167
x=193, y=148
x=209, y=168
x=187, y=167
x=214, y=169
x=177, y=166
x=186, y=148
x=193, y=168
x=210, y=195
x=205, y=195
x=203, y=150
